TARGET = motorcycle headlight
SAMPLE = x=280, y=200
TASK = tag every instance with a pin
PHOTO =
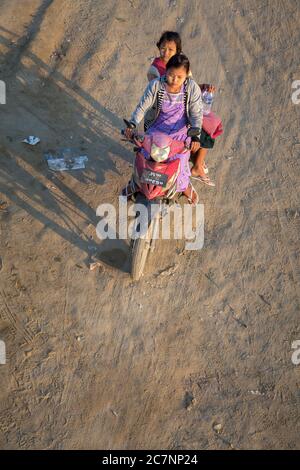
x=159, y=154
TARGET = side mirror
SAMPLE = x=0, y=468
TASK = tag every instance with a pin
x=130, y=125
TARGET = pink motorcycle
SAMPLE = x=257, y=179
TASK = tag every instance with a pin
x=153, y=184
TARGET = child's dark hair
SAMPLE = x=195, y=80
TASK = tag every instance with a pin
x=179, y=60
x=170, y=36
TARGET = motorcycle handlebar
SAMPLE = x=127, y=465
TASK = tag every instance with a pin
x=130, y=125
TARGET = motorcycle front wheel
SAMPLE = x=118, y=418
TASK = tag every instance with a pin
x=139, y=252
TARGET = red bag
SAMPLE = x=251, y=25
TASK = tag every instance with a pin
x=212, y=124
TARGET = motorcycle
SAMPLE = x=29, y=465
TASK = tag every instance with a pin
x=153, y=185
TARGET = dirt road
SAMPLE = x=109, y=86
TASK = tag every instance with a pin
x=197, y=357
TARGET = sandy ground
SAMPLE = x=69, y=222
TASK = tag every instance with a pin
x=198, y=358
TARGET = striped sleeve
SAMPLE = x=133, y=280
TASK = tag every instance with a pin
x=146, y=101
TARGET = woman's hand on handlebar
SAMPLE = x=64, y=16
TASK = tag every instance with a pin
x=195, y=146
x=128, y=133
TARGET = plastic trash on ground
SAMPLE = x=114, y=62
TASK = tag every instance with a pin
x=65, y=159
x=31, y=140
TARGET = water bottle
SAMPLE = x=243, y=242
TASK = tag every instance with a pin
x=207, y=98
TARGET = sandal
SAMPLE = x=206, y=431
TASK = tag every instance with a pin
x=204, y=179
x=190, y=198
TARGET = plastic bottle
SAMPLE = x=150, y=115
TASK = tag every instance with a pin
x=207, y=98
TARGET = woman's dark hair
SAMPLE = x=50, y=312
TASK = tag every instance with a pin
x=179, y=60
x=170, y=36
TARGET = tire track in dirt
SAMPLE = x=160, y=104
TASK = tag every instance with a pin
x=287, y=232
x=10, y=315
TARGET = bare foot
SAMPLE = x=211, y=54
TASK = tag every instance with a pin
x=197, y=171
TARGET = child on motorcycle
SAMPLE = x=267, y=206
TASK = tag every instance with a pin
x=175, y=100
x=169, y=44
